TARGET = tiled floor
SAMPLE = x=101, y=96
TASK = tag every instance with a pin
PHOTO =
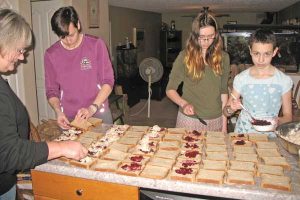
x=162, y=113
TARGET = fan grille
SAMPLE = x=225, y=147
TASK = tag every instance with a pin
x=151, y=66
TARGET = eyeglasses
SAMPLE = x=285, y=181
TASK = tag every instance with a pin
x=265, y=55
x=21, y=51
x=204, y=38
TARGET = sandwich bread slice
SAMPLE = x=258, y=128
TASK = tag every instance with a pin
x=276, y=182
x=210, y=176
x=154, y=172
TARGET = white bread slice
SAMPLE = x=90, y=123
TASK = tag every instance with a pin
x=128, y=140
x=190, y=155
x=93, y=135
x=86, y=162
x=196, y=134
x=188, y=163
x=81, y=124
x=166, y=154
x=191, y=146
x=86, y=141
x=268, y=153
x=242, y=166
x=154, y=172
x=106, y=165
x=269, y=169
x=64, y=137
x=215, y=148
x=246, y=157
x=183, y=174
x=240, y=177
x=277, y=161
x=134, y=134
x=120, y=147
x=276, y=182
x=172, y=137
x=138, y=128
x=96, y=149
x=119, y=127
x=210, y=176
x=241, y=142
x=215, y=134
x=114, y=154
x=215, y=140
x=214, y=165
x=238, y=136
x=243, y=150
x=162, y=162
x=138, y=150
x=191, y=138
x=217, y=156
x=266, y=145
x=169, y=145
x=130, y=169
x=95, y=121
x=258, y=137
x=177, y=130
x=137, y=158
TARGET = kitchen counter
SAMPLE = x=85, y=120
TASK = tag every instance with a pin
x=227, y=191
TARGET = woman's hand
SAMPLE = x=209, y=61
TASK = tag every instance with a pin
x=188, y=109
x=73, y=150
x=63, y=121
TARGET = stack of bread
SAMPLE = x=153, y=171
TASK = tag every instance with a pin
x=178, y=154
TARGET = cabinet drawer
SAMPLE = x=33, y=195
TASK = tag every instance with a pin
x=66, y=187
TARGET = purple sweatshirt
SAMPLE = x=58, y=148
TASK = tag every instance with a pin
x=75, y=76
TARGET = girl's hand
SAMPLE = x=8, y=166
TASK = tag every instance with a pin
x=188, y=109
x=235, y=104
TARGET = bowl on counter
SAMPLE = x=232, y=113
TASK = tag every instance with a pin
x=264, y=124
x=289, y=136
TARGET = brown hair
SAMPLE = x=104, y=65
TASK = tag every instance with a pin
x=193, y=58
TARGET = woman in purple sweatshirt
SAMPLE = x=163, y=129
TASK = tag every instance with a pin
x=78, y=72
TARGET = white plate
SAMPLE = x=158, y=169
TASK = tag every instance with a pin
x=266, y=128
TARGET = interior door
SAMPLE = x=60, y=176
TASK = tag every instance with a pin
x=42, y=12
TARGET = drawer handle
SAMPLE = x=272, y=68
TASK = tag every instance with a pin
x=79, y=192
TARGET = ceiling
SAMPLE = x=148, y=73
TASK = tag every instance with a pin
x=194, y=6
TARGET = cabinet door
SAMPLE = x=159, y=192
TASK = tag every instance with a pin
x=55, y=186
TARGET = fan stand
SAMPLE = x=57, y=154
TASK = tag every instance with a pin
x=149, y=93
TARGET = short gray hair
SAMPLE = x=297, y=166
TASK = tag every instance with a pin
x=14, y=30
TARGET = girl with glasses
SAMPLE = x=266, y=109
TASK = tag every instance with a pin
x=203, y=68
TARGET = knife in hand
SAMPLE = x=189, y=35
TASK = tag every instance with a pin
x=201, y=120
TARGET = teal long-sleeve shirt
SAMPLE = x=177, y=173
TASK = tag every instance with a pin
x=204, y=94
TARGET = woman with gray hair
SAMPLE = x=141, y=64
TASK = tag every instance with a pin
x=17, y=153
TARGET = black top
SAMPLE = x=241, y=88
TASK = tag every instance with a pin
x=17, y=153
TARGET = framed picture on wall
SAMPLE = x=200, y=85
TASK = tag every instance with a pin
x=139, y=38
x=93, y=13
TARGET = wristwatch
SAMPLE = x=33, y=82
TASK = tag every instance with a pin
x=95, y=106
